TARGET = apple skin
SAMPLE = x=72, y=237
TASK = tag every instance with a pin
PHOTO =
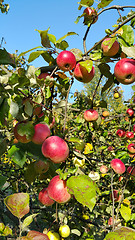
x=90, y=15
x=41, y=166
x=110, y=52
x=53, y=235
x=116, y=195
x=57, y=190
x=104, y=169
x=91, y=115
x=64, y=231
x=56, y=149
x=134, y=128
x=42, y=131
x=131, y=148
x=131, y=169
x=116, y=95
x=66, y=61
x=124, y=71
x=82, y=74
x=121, y=133
x=22, y=139
x=44, y=198
x=43, y=75
x=130, y=112
x=37, y=110
x=118, y=166
x=129, y=135
x=105, y=114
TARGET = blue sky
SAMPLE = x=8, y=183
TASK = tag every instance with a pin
x=18, y=26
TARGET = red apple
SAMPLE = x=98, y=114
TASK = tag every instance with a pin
x=131, y=169
x=91, y=115
x=56, y=149
x=82, y=74
x=118, y=166
x=90, y=15
x=44, y=198
x=130, y=112
x=37, y=110
x=108, y=48
x=42, y=131
x=121, y=133
x=66, y=60
x=116, y=195
x=41, y=166
x=24, y=131
x=131, y=148
x=57, y=190
x=129, y=135
x=104, y=169
x=124, y=71
x=43, y=75
x=110, y=148
x=134, y=128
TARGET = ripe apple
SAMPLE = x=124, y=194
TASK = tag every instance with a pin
x=105, y=114
x=110, y=148
x=130, y=112
x=104, y=169
x=66, y=60
x=131, y=148
x=42, y=131
x=37, y=110
x=24, y=131
x=53, y=235
x=134, y=128
x=57, y=190
x=44, y=198
x=131, y=169
x=41, y=166
x=116, y=195
x=118, y=166
x=56, y=149
x=109, y=49
x=82, y=74
x=116, y=95
x=90, y=15
x=129, y=135
x=91, y=115
x=121, y=133
x=64, y=231
x=43, y=75
x=124, y=71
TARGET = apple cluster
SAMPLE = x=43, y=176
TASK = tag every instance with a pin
x=53, y=147
x=55, y=192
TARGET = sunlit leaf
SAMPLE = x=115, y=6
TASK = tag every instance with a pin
x=18, y=204
x=127, y=37
x=129, y=51
x=104, y=3
x=125, y=212
x=28, y=220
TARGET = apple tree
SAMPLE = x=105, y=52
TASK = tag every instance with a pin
x=67, y=167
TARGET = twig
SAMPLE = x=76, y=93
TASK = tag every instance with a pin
x=112, y=198
x=115, y=7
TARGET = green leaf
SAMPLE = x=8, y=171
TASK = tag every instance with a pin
x=52, y=38
x=63, y=45
x=26, y=129
x=14, y=109
x=87, y=64
x=28, y=220
x=3, y=180
x=127, y=37
x=44, y=38
x=4, y=110
x=84, y=190
x=77, y=52
x=109, y=42
x=3, y=145
x=125, y=212
x=96, y=54
x=86, y=3
x=48, y=92
x=48, y=58
x=105, y=70
x=122, y=233
x=107, y=85
x=17, y=156
x=104, y=3
x=6, y=58
x=23, y=53
x=28, y=108
x=34, y=55
x=66, y=35
x=129, y=51
x=18, y=204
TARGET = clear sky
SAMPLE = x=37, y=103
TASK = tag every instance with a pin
x=18, y=26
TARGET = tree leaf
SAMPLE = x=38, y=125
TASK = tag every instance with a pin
x=63, y=45
x=17, y=156
x=87, y=64
x=18, y=204
x=129, y=51
x=127, y=37
x=66, y=35
x=86, y=3
x=6, y=58
x=44, y=38
x=34, y=235
x=3, y=180
x=34, y=55
x=14, y=108
x=104, y=3
x=28, y=220
x=122, y=233
x=107, y=85
x=84, y=190
x=125, y=212
x=88, y=148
